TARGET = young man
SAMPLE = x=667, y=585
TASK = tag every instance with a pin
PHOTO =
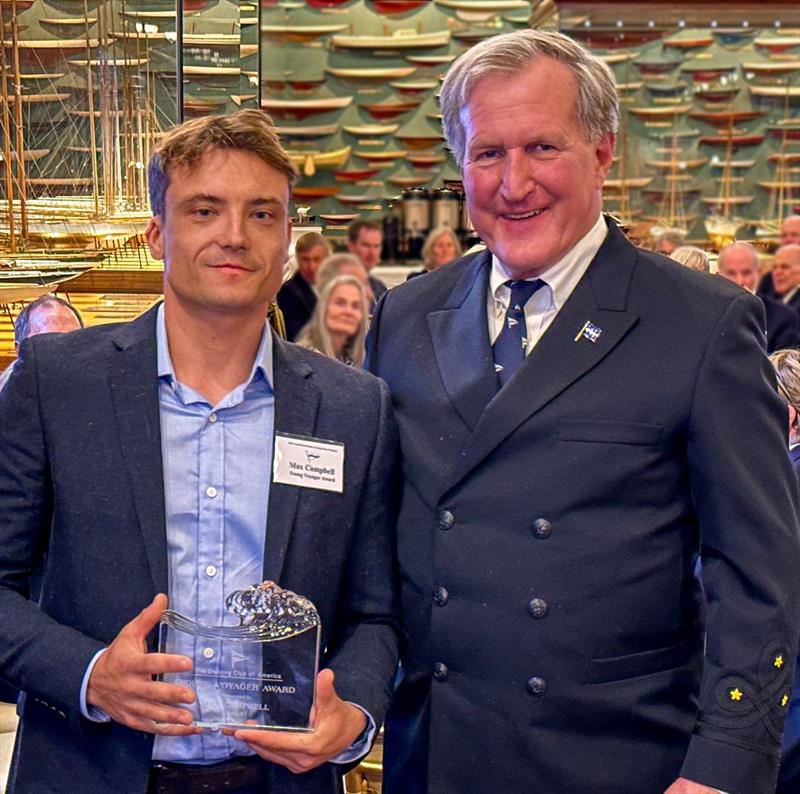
x=297, y=297
x=365, y=239
x=136, y=460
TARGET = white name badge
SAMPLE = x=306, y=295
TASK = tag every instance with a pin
x=308, y=463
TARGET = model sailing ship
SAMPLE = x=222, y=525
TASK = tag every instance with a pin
x=84, y=100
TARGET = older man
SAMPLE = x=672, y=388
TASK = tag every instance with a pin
x=570, y=447
x=789, y=234
x=46, y=315
x=786, y=274
x=739, y=263
x=136, y=461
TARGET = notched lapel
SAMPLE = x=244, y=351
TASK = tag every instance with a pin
x=564, y=354
x=461, y=343
x=296, y=403
x=133, y=378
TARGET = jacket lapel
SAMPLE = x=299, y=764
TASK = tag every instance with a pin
x=296, y=402
x=565, y=352
x=460, y=338
x=133, y=379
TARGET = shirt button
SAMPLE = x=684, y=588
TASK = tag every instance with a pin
x=212, y=418
x=211, y=491
x=445, y=520
x=537, y=686
x=440, y=596
x=211, y=570
x=440, y=671
x=542, y=528
x=538, y=607
x=208, y=653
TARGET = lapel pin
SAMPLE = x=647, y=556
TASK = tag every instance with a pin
x=589, y=331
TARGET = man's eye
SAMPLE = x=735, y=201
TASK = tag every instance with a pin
x=488, y=154
x=203, y=212
x=263, y=215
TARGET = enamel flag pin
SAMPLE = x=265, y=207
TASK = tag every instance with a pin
x=589, y=331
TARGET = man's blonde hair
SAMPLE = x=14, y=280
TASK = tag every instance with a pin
x=246, y=130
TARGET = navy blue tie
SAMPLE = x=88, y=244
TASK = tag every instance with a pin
x=510, y=346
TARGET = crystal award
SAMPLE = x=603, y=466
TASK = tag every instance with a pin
x=260, y=674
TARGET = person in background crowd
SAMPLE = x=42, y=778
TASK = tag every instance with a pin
x=787, y=370
x=739, y=263
x=338, y=326
x=136, y=461
x=297, y=297
x=786, y=274
x=442, y=246
x=669, y=240
x=345, y=265
x=789, y=234
x=580, y=420
x=691, y=257
x=790, y=230
x=48, y=314
x=364, y=239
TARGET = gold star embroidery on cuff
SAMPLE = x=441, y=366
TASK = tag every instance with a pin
x=778, y=661
x=784, y=701
x=736, y=693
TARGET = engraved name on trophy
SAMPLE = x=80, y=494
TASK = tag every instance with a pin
x=260, y=674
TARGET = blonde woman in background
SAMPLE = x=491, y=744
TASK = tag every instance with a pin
x=338, y=327
x=691, y=257
x=441, y=248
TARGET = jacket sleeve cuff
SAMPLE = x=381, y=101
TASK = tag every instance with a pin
x=729, y=767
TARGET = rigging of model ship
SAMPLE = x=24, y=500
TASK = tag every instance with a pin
x=86, y=91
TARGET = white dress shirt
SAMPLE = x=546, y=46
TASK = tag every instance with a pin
x=560, y=280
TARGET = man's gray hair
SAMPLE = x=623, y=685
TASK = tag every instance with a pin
x=598, y=100
x=742, y=245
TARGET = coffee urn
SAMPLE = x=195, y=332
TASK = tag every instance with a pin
x=416, y=220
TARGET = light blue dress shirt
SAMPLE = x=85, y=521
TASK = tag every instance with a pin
x=216, y=463
x=216, y=490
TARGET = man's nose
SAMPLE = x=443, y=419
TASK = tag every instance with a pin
x=519, y=177
x=235, y=231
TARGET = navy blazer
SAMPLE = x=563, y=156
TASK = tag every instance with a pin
x=297, y=300
x=783, y=325
x=81, y=490
x=553, y=627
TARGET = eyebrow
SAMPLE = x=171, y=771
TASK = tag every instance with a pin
x=210, y=198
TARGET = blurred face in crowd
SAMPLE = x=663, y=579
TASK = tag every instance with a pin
x=361, y=274
x=224, y=236
x=53, y=318
x=790, y=230
x=345, y=313
x=443, y=251
x=666, y=246
x=739, y=265
x=308, y=262
x=367, y=247
x=786, y=268
x=533, y=187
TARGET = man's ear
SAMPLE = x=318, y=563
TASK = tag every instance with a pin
x=604, y=151
x=154, y=237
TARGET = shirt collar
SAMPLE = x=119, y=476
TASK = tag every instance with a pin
x=564, y=275
x=262, y=363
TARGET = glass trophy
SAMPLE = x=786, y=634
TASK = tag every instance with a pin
x=260, y=674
